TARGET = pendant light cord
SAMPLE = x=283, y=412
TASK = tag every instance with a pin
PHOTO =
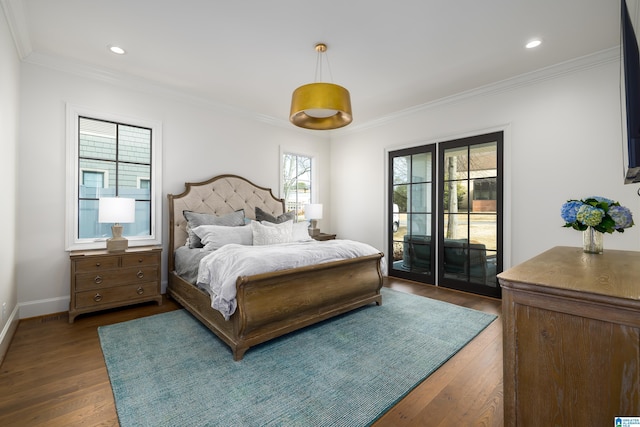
x=318, y=75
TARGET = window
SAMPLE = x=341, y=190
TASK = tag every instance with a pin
x=93, y=179
x=144, y=183
x=296, y=183
x=112, y=156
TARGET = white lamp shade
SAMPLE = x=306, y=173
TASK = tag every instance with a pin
x=313, y=211
x=116, y=210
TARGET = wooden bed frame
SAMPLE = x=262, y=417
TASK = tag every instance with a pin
x=269, y=304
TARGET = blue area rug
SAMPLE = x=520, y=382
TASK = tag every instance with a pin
x=169, y=370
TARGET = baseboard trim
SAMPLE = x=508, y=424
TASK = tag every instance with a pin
x=43, y=307
x=8, y=332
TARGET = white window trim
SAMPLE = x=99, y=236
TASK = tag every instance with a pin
x=72, y=242
x=315, y=188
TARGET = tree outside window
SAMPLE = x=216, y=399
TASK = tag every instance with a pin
x=296, y=183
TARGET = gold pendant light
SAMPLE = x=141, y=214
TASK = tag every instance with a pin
x=320, y=106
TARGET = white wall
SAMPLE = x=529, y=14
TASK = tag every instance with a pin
x=562, y=138
x=9, y=104
x=200, y=140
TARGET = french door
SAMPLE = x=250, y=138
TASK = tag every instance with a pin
x=412, y=242
x=445, y=210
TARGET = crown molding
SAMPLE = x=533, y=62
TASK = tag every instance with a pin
x=17, y=21
x=139, y=84
x=130, y=82
x=586, y=62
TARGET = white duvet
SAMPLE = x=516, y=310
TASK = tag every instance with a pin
x=219, y=270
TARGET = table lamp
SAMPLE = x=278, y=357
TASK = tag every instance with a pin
x=313, y=212
x=116, y=210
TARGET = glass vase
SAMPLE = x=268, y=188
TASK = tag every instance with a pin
x=592, y=241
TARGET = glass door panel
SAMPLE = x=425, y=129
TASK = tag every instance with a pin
x=412, y=248
x=471, y=231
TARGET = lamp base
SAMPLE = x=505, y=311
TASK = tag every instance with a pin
x=313, y=228
x=117, y=243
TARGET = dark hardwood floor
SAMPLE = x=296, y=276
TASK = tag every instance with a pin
x=54, y=373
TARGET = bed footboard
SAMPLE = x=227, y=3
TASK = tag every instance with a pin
x=273, y=304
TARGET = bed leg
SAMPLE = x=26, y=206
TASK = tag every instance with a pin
x=238, y=353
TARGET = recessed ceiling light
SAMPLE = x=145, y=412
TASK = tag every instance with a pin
x=533, y=43
x=117, y=50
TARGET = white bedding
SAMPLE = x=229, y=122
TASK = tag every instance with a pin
x=219, y=270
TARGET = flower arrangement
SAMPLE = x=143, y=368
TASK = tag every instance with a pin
x=602, y=214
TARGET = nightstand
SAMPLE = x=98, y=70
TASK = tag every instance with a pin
x=102, y=280
x=324, y=236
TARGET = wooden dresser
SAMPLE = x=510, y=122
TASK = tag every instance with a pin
x=571, y=338
x=101, y=280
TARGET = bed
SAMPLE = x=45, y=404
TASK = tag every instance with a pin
x=269, y=304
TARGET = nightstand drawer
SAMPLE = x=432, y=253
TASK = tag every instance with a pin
x=96, y=264
x=109, y=278
x=116, y=294
x=133, y=260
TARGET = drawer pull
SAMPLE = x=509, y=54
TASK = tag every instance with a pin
x=97, y=298
x=140, y=291
x=97, y=264
x=98, y=280
x=140, y=274
x=140, y=260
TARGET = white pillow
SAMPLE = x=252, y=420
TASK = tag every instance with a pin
x=196, y=219
x=215, y=236
x=271, y=234
x=299, y=230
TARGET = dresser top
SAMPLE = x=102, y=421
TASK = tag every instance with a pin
x=612, y=274
x=130, y=250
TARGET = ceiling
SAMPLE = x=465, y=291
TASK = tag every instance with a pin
x=250, y=55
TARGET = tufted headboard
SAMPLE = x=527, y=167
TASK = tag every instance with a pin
x=219, y=195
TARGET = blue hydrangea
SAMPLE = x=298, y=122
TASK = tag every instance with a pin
x=604, y=215
x=603, y=199
x=622, y=217
x=589, y=215
x=570, y=209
